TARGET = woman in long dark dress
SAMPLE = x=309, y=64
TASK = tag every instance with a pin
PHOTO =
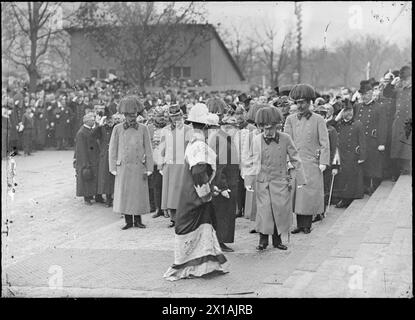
x=197, y=250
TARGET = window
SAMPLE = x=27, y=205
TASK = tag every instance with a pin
x=186, y=72
x=177, y=72
x=102, y=73
x=94, y=73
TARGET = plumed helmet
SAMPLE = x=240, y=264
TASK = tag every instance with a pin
x=174, y=110
x=302, y=91
x=216, y=105
x=131, y=104
x=250, y=116
x=268, y=116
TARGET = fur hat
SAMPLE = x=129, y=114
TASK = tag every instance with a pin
x=268, y=116
x=131, y=104
x=250, y=116
x=302, y=91
x=216, y=105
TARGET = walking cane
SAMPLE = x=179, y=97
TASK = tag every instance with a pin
x=331, y=192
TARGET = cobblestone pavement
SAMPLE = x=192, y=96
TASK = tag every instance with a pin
x=49, y=235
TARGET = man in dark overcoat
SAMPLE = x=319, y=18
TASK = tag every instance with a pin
x=86, y=160
x=352, y=153
x=372, y=115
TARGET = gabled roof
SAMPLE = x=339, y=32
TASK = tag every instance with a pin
x=74, y=29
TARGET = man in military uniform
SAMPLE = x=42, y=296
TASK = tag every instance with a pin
x=131, y=161
x=373, y=117
x=309, y=133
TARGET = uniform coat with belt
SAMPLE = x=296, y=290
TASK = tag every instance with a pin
x=86, y=156
x=105, y=178
x=311, y=139
x=373, y=118
x=271, y=182
x=227, y=177
x=131, y=156
x=352, y=147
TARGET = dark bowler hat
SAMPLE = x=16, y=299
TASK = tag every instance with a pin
x=244, y=98
x=365, y=86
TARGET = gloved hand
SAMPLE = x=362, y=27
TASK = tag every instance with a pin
x=114, y=173
x=381, y=147
x=249, y=188
x=334, y=172
x=149, y=173
x=360, y=161
x=225, y=193
x=322, y=167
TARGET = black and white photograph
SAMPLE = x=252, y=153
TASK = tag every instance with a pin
x=207, y=150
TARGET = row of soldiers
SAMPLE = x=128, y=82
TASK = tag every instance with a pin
x=345, y=151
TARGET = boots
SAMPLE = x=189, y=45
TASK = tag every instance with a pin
x=108, y=200
x=137, y=222
x=128, y=222
x=99, y=199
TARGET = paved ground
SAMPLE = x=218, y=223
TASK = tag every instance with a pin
x=53, y=245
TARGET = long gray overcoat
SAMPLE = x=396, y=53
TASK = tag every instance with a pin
x=312, y=142
x=131, y=156
x=272, y=184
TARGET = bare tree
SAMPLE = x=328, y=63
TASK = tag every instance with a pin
x=241, y=47
x=33, y=29
x=275, y=58
x=144, y=38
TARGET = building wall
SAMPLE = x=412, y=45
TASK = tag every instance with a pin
x=84, y=58
x=223, y=73
x=209, y=62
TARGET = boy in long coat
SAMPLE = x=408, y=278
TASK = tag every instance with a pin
x=174, y=141
x=372, y=115
x=309, y=133
x=352, y=152
x=226, y=180
x=86, y=160
x=131, y=161
x=270, y=151
x=156, y=179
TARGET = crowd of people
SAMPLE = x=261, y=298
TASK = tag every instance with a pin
x=202, y=159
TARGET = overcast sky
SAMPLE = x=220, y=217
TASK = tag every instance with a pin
x=388, y=19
